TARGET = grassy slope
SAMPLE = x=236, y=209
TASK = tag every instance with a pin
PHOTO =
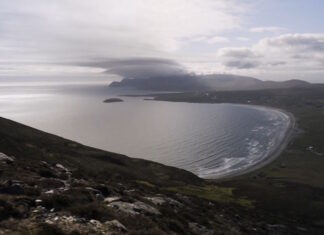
x=293, y=185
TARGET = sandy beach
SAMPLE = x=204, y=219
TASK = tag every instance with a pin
x=276, y=151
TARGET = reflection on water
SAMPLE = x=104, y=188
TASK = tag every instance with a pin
x=210, y=140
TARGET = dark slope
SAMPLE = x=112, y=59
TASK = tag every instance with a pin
x=50, y=185
x=32, y=145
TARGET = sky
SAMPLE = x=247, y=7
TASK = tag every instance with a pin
x=266, y=39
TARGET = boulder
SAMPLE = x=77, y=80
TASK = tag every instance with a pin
x=38, y=201
x=115, y=226
x=61, y=167
x=6, y=159
x=111, y=199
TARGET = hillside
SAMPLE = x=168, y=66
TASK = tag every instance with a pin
x=191, y=82
x=171, y=83
x=50, y=185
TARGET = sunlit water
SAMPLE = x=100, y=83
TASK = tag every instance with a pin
x=211, y=140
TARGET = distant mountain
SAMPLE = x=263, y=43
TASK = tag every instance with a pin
x=286, y=84
x=189, y=82
x=164, y=83
x=230, y=82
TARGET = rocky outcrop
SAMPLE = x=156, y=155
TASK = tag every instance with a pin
x=135, y=208
x=69, y=224
x=161, y=200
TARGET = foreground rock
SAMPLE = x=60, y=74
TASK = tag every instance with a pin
x=72, y=224
x=135, y=208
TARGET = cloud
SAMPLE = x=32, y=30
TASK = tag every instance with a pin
x=299, y=43
x=278, y=63
x=138, y=67
x=290, y=52
x=242, y=64
x=217, y=39
x=302, y=51
x=210, y=39
x=67, y=30
x=236, y=52
x=239, y=58
x=271, y=29
x=77, y=37
x=242, y=39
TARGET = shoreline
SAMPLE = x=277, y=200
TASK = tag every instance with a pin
x=289, y=134
x=277, y=150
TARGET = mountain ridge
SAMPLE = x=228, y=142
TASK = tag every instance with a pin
x=219, y=82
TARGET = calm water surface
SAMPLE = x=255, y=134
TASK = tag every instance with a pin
x=211, y=140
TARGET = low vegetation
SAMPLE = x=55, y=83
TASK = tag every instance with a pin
x=212, y=193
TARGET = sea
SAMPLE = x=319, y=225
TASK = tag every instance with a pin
x=210, y=140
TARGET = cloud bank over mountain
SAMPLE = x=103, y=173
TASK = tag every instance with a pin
x=139, y=37
x=139, y=68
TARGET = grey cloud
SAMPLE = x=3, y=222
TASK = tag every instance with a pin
x=237, y=53
x=241, y=64
x=239, y=58
x=301, y=42
x=300, y=57
x=138, y=67
x=304, y=51
x=278, y=63
x=72, y=30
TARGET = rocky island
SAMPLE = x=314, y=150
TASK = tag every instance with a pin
x=113, y=100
